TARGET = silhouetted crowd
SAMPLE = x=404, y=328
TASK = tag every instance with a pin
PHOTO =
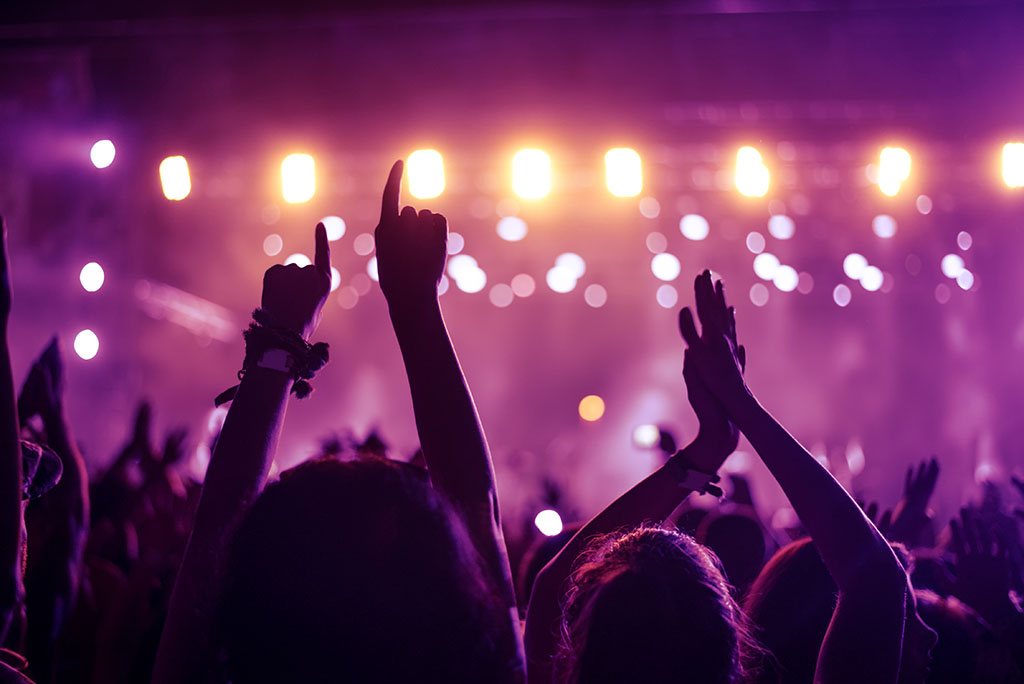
x=358, y=567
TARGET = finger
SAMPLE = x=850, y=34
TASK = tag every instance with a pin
x=871, y=511
x=704, y=293
x=885, y=523
x=956, y=538
x=730, y=319
x=741, y=354
x=389, y=203
x=441, y=224
x=721, y=309
x=322, y=254
x=908, y=480
x=687, y=328
x=408, y=213
x=425, y=215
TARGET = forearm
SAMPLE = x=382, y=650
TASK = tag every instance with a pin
x=236, y=474
x=10, y=493
x=651, y=500
x=847, y=541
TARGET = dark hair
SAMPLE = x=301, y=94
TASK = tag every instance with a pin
x=359, y=571
x=651, y=605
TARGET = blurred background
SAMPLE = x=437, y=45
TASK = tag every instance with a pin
x=853, y=171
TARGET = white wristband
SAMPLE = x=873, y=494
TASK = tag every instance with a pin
x=277, y=359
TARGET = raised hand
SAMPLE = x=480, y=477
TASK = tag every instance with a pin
x=43, y=392
x=294, y=295
x=983, y=570
x=411, y=247
x=715, y=353
x=911, y=518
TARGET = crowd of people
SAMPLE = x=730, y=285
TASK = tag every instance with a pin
x=358, y=567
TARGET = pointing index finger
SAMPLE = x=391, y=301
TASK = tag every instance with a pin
x=322, y=255
x=389, y=203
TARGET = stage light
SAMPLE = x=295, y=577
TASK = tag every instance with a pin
x=531, y=174
x=523, y=285
x=91, y=277
x=766, y=265
x=1013, y=164
x=548, y=522
x=759, y=294
x=752, y=176
x=472, y=281
x=964, y=240
x=298, y=259
x=884, y=226
x=573, y=263
x=512, y=228
x=501, y=295
x=893, y=169
x=755, y=242
x=786, y=278
x=667, y=296
x=87, y=345
x=591, y=408
x=460, y=265
x=854, y=265
x=595, y=295
x=665, y=267
x=298, y=178
x=965, y=279
x=371, y=269
x=781, y=227
x=841, y=295
x=623, y=173
x=273, y=244
x=102, y=154
x=560, y=279
x=335, y=279
x=455, y=243
x=694, y=227
x=174, y=178
x=646, y=436
x=335, y=226
x=871, y=279
x=426, y=174
x=952, y=265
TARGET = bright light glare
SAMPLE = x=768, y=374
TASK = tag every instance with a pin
x=560, y=279
x=765, y=265
x=174, y=178
x=841, y=295
x=952, y=265
x=854, y=265
x=371, y=269
x=694, y=227
x=91, y=277
x=549, y=523
x=781, y=227
x=102, y=155
x=87, y=345
x=335, y=279
x=531, y=174
x=646, y=436
x=623, y=173
x=523, y=285
x=335, y=226
x=893, y=169
x=472, y=281
x=884, y=226
x=300, y=259
x=595, y=295
x=786, y=278
x=755, y=242
x=964, y=240
x=667, y=296
x=965, y=280
x=273, y=244
x=1013, y=164
x=591, y=408
x=298, y=178
x=426, y=174
x=573, y=263
x=752, y=176
x=512, y=228
x=460, y=265
x=871, y=279
x=665, y=267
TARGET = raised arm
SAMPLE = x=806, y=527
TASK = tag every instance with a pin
x=11, y=589
x=292, y=297
x=411, y=251
x=864, y=639
x=651, y=500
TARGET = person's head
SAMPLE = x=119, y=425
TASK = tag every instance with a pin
x=791, y=604
x=358, y=571
x=650, y=605
x=737, y=538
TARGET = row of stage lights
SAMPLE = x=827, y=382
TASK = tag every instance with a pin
x=531, y=172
